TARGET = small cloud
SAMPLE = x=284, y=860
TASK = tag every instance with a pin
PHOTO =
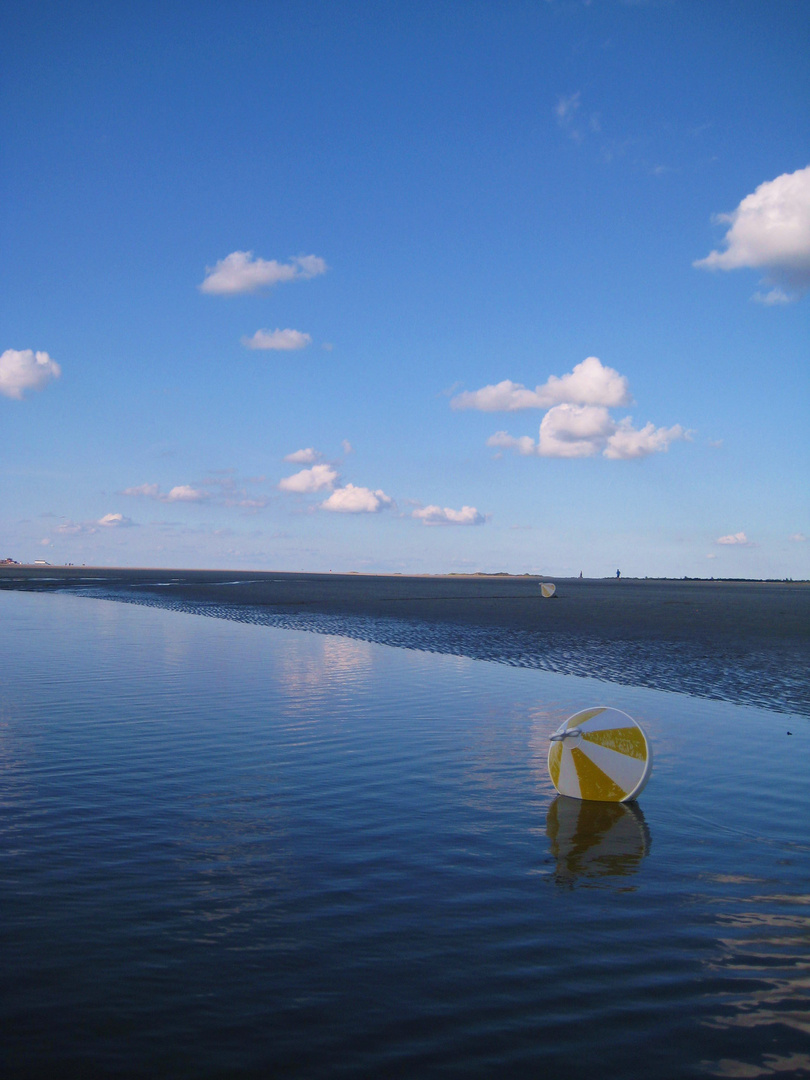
x=241, y=272
x=774, y=297
x=347, y=447
x=740, y=539
x=304, y=457
x=74, y=528
x=185, y=493
x=567, y=107
x=220, y=488
x=282, y=340
x=109, y=521
x=590, y=383
x=627, y=442
x=357, y=500
x=327, y=346
x=524, y=444
x=246, y=504
x=318, y=478
x=179, y=493
x=797, y=538
x=24, y=369
x=711, y=555
x=770, y=230
x=147, y=491
x=437, y=515
x=45, y=542
x=115, y=521
x=569, y=118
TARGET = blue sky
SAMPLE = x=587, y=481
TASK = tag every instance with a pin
x=407, y=286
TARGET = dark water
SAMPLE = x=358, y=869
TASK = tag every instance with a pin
x=230, y=850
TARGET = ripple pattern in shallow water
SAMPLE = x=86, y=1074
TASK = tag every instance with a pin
x=767, y=680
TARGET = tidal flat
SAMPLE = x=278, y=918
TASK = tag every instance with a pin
x=235, y=847
x=741, y=641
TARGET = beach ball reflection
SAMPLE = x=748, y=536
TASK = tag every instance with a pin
x=592, y=840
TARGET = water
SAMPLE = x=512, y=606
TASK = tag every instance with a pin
x=231, y=850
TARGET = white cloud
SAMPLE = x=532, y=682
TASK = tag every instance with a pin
x=347, y=446
x=505, y=396
x=590, y=383
x=627, y=442
x=572, y=431
x=221, y=488
x=109, y=521
x=773, y=297
x=437, y=515
x=770, y=230
x=185, y=493
x=735, y=538
x=240, y=272
x=797, y=538
x=115, y=521
x=357, y=500
x=73, y=528
x=577, y=422
x=148, y=491
x=180, y=493
x=524, y=444
x=304, y=457
x=311, y=265
x=24, y=369
x=318, y=478
x=283, y=340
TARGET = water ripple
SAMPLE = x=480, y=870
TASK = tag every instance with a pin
x=774, y=681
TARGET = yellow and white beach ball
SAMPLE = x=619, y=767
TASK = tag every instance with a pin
x=600, y=754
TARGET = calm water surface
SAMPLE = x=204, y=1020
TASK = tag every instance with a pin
x=231, y=850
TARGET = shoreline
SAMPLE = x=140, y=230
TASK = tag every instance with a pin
x=743, y=642
x=754, y=613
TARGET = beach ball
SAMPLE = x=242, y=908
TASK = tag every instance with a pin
x=600, y=754
x=548, y=589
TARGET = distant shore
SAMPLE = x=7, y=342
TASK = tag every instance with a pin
x=754, y=614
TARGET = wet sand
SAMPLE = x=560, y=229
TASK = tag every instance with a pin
x=744, y=613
